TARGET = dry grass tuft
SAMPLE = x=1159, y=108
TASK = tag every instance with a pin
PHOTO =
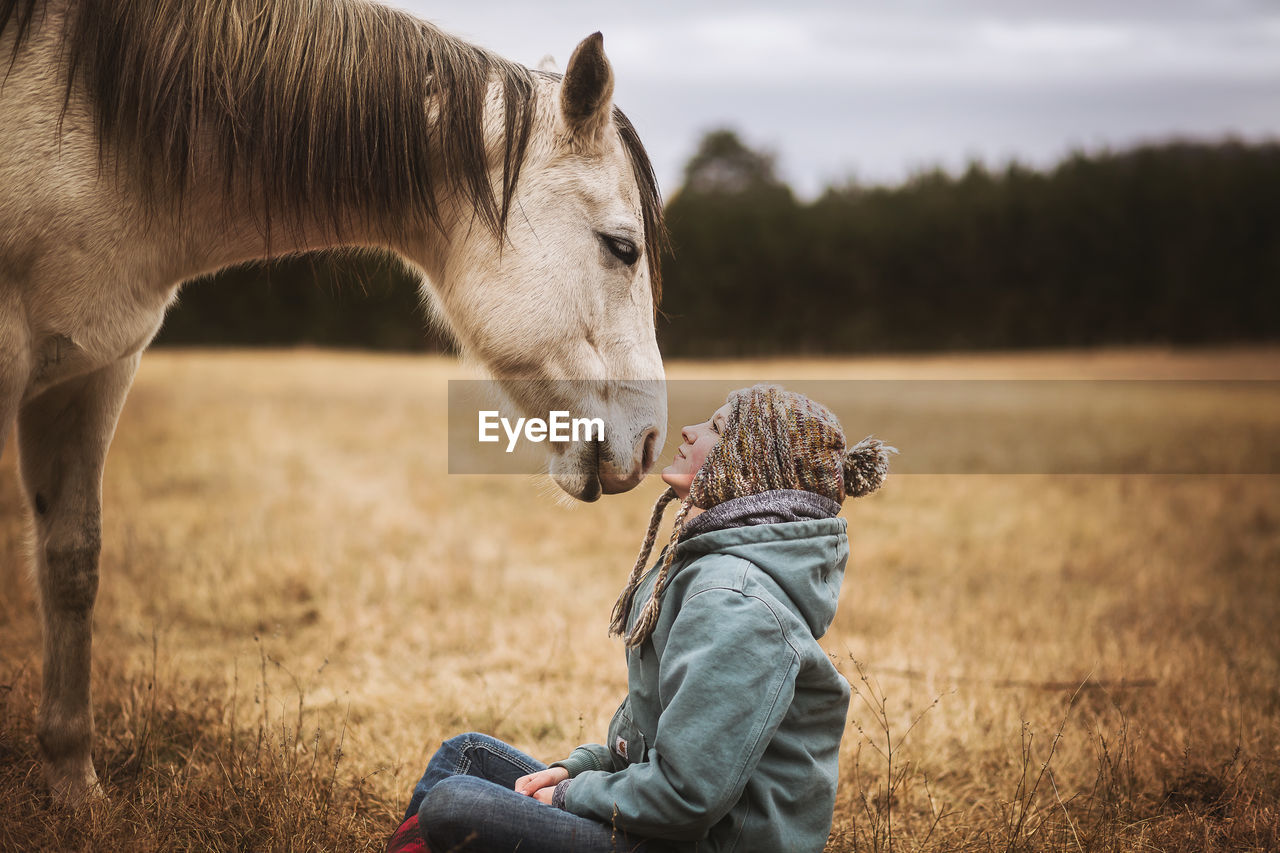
x=298, y=604
x=182, y=773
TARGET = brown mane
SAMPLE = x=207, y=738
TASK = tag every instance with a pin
x=320, y=105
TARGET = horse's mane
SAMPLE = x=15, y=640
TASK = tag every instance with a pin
x=316, y=105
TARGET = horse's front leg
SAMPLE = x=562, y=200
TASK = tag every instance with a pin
x=63, y=436
x=15, y=357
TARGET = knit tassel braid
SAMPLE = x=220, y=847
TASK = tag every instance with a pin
x=648, y=617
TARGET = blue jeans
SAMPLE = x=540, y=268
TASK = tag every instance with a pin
x=465, y=802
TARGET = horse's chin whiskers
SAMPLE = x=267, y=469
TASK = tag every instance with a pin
x=546, y=485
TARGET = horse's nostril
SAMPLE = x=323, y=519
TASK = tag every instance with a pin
x=650, y=449
x=614, y=479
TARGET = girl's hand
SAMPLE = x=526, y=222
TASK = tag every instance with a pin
x=534, y=783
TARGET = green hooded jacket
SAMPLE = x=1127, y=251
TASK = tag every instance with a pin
x=728, y=739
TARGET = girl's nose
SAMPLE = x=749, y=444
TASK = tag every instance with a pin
x=687, y=434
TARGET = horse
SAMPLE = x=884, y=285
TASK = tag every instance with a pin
x=147, y=142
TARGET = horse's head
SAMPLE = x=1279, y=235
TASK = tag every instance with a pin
x=570, y=290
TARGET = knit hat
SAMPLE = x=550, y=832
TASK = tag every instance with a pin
x=772, y=439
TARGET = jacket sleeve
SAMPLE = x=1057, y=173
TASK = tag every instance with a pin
x=589, y=756
x=726, y=678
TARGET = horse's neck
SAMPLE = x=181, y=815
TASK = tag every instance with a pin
x=211, y=223
x=219, y=227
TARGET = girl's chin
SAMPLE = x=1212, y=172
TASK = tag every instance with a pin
x=678, y=480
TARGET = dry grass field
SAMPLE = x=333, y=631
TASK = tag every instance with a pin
x=298, y=603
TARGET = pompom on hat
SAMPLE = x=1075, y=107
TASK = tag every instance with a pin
x=772, y=439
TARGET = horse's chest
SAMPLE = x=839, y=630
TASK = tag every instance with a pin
x=58, y=357
x=77, y=348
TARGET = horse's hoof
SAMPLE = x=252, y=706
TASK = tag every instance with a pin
x=74, y=785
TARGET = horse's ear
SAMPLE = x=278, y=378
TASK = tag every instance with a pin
x=586, y=94
x=548, y=63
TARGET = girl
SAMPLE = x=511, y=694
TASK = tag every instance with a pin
x=728, y=739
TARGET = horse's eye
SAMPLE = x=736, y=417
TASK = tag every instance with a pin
x=621, y=248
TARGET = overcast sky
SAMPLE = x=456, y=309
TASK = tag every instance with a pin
x=876, y=90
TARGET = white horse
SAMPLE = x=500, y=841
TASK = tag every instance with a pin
x=144, y=142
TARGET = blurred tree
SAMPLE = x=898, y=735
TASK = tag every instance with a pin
x=724, y=165
x=735, y=233
x=1174, y=243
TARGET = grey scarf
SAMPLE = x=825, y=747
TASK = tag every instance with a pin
x=771, y=507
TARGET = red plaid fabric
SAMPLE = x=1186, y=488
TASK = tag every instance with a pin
x=407, y=839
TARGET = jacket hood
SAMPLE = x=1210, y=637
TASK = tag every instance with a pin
x=806, y=558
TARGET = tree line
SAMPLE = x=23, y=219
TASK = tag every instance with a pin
x=1177, y=243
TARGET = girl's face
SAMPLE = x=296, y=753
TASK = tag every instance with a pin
x=698, y=441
